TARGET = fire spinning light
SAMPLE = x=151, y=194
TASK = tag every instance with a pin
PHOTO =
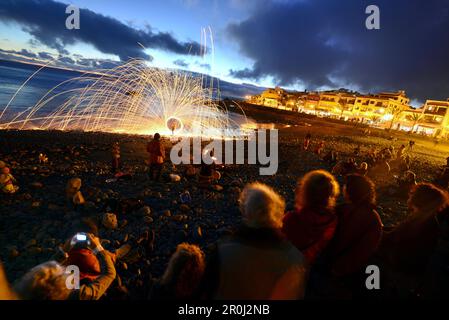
x=131, y=98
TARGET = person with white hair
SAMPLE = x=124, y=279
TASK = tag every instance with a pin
x=256, y=262
x=46, y=281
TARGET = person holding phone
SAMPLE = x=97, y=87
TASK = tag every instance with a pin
x=103, y=273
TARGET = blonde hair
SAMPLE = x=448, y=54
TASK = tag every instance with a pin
x=261, y=206
x=317, y=189
x=46, y=281
x=185, y=270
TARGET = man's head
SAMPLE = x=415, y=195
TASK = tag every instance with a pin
x=157, y=136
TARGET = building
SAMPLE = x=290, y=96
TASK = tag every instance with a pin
x=388, y=110
x=434, y=119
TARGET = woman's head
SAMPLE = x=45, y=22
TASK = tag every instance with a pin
x=185, y=270
x=46, y=281
x=261, y=206
x=317, y=189
x=427, y=198
x=359, y=189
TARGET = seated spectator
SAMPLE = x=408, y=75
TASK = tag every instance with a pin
x=311, y=226
x=380, y=170
x=331, y=157
x=345, y=167
x=359, y=229
x=408, y=246
x=405, y=183
x=73, y=193
x=183, y=274
x=208, y=173
x=48, y=280
x=256, y=262
x=7, y=181
x=362, y=169
x=436, y=278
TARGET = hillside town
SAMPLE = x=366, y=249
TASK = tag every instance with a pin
x=387, y=110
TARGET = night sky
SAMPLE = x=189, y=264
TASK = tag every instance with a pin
x=304, y=44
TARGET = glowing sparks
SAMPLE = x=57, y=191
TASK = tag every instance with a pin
x=131, y=98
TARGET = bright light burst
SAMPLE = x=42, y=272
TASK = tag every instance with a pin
x=131, y=98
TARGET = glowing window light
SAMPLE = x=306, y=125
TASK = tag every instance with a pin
x=387, y=117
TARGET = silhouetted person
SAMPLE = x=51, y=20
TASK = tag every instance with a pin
x=156, y=159
x=359, y=228
x=407, y=248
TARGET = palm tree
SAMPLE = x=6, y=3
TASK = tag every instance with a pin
x=415, y=117
x=395, y=111
x=343, y=105
x=374, y=118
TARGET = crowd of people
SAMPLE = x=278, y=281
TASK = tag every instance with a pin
x=320, y=249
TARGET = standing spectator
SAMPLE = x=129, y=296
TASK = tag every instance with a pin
x=156, y=151
x=256, y=262
x=311, y=226
x=116, y=157
x=307, y=139
x=359, y=229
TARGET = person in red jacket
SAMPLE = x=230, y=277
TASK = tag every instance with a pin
x=311, y=226
x=359, y=229
x=157, y=155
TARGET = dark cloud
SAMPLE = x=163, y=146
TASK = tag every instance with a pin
x=45, y=21
x=325, y=43
x=181, y=63
x=45, y=55
x=66, y=60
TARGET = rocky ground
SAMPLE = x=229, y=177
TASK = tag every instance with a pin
x=36, y=220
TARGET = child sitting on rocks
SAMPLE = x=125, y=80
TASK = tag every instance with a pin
x=73, y=193
x=7, y=181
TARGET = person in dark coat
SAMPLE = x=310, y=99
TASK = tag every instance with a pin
x=359, y=229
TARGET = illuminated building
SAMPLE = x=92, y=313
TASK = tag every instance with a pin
x=434, y=119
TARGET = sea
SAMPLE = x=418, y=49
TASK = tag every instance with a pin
x=19, y=92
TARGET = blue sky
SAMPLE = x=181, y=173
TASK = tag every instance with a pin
x=185, y=19
x=297, y=44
